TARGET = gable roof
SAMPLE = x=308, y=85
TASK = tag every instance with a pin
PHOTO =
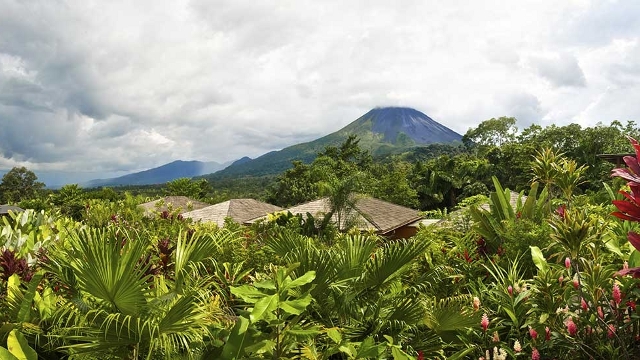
x=4, y=209
x=370, y=214
x=240, y=210
x=184, y=203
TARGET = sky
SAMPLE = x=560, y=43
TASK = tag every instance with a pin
x=104, y=88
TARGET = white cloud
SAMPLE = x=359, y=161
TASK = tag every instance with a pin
x=123, y=86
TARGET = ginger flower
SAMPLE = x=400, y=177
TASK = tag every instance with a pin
x=615, y=293
x=517, y=347
x=535, y=354
x=476, y=303
x=572, y=328
x=484, y=322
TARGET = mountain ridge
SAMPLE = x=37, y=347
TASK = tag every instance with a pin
x=382, y=130
x=161, y=174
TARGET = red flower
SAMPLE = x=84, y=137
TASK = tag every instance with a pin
x=611, y=331
x=615, y=293
x=484, y=322
x=547, y=333
x=510, y=290
x=533, y=333
x=583, y=304
x=572, y=328
x=632, y=305
x=535, y=354
x=567, y=262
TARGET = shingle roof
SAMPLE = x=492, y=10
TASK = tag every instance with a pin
x=240, y=210
x=4, y=209
x=371, y=214
x=184, y=203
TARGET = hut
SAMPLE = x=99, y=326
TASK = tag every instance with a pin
x=239, y=210
x=368, y=214
x=181, y=203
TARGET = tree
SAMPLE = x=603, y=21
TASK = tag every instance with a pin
x=188, y=187
x=492, y=132
x=71, y=201
x=294, y=186
x=19, y=184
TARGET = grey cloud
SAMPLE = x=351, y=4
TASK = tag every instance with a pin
x=525, y=107
x=559, y=70
x=598, y=23
x=123, y=86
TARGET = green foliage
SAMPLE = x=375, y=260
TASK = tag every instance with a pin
x=278, y=303
x=188, y=187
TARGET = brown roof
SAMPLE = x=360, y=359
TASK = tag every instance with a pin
x=177, y=202
x=371, y=214
x=240, y=210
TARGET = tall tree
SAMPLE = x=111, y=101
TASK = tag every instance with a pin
x=19, y=184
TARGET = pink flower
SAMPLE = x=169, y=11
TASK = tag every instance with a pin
x=583, y=304
x=611, y=331
x=561, y=211
x=533, y=333
x=617, y=296
x=547, y=333
x=484, y=322
x=510, y=290
x=600, y=312
x=567, y=262
x=576, y=283
x=535, y=354
x=560, y=279
x=572, y=328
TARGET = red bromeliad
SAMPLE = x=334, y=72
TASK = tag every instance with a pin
x=629, y=209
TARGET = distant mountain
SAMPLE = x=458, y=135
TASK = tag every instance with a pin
x=381, y=131
x=161, y=174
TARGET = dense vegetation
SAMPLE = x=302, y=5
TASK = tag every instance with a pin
x=555, y=276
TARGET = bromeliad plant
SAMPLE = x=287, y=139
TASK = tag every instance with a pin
x=629, y=208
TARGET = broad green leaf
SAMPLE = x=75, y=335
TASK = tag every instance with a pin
x=613, y=246
x=13, y=287
x=634, y=259
x=543, y=318
x=261, y=347
x=296, y=307
x=235, y=345
x=347, y=349
x=335, y=335
x=398, y=354
x=6, y=355
x=538, y=258
x=263, y=307
x=302, y=280
x=19, y=347
x=25, y=308
x=369, y=350
x=247, y=293
x=266, y=284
